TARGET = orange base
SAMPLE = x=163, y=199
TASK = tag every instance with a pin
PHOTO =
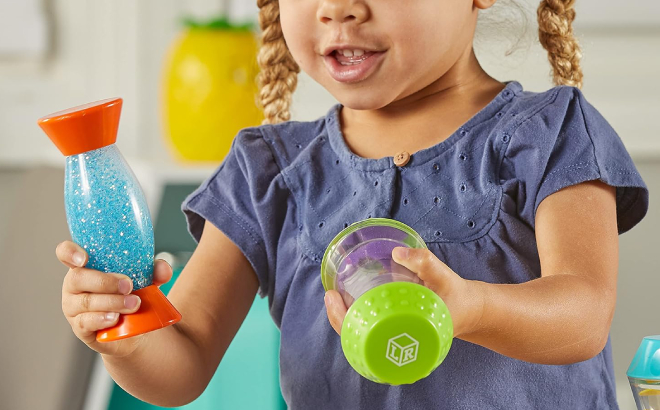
x=156, y=312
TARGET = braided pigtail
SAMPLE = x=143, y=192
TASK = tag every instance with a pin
x=279, y=71
x=556, y=36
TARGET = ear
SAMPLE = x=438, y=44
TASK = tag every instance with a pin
x=483, y=4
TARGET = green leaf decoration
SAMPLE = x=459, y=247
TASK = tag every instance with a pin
x=218, y=23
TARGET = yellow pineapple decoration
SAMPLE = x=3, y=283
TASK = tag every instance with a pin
x=210, y=89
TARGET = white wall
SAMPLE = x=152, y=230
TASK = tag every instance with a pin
x=95, y=56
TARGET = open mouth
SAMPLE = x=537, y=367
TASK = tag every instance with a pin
x=349, y=65
x=351, y=57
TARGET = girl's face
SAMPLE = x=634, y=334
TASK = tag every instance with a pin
x=370, y=53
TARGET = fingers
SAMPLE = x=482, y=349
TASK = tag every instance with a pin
x=417, y=260
x=71, y=254
x=75, y=305
x=336, y=308
x=85, y=325
x=162, y=272
x=88, y=280
x=80, y=280
x=425, y=264
x=87, y=290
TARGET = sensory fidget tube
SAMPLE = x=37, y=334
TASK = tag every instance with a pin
x=644, y=374
x=106, y=210
x=396, y=330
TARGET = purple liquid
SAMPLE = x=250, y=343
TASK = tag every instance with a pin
x=369, y=264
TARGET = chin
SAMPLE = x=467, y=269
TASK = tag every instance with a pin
x=360, y=100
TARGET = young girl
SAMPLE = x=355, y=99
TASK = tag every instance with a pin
x=518, y=195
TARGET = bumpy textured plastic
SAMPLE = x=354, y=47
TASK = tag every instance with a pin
x=397, y=333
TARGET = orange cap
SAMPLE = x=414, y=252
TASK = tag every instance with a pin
x=155, y=312
x=84, y=128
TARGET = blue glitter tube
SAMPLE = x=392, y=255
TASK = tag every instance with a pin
x=108, y=214
x=106, y=211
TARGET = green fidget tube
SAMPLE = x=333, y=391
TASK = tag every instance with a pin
x=396, y=330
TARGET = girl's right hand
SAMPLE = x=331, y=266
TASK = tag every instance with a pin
x=92, y=300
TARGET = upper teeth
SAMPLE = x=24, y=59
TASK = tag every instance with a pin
x=351, y=53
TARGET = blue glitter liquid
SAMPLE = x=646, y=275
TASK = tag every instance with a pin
x=108, y=214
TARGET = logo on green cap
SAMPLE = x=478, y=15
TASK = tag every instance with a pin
x=402, y=349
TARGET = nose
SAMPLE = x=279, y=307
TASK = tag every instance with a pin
x=343, y=11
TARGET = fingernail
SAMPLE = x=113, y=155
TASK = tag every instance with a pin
x=125, y=286
x=131, y=301
x=401, y=253
x=327, y=300
x=111, y=316
x=78, y=258
x=168, y=264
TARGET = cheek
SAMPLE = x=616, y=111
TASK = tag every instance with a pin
x=432, y=39
x=297, y=27
x=443, y=22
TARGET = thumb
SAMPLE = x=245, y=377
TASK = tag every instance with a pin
x=162, y=272
x=425, y=264
x=71, y=255
x=336, y=309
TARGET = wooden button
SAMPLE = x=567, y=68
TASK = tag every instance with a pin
x=401, y=159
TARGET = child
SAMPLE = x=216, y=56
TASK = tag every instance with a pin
x=519, y=196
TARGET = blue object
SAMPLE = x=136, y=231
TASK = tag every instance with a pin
x=108, y=214
x=646, y=363
x=644, y=374
x=285, y=190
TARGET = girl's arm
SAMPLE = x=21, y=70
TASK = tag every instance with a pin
x=565, y=316
x=173, y=366
x=562, y=317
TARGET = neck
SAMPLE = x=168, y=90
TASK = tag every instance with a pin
x=423, y=118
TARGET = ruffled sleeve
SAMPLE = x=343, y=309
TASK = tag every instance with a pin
x=247, y=199
x=567, y=142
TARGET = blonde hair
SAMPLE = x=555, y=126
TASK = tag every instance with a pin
x=556, y=35
x=279, y=71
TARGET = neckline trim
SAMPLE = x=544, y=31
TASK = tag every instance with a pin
x=346, y=156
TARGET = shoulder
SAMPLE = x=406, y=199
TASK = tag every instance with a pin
x=555, y=109
x=560, y=117
x=284, y=142
x=557, y=123
x=260, y=157
x=558, y=139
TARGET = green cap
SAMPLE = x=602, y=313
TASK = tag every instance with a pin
x=397, y=333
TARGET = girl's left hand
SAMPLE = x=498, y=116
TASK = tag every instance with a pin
x=464, y=298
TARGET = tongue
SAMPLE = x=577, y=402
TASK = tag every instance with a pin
x=352, y=60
